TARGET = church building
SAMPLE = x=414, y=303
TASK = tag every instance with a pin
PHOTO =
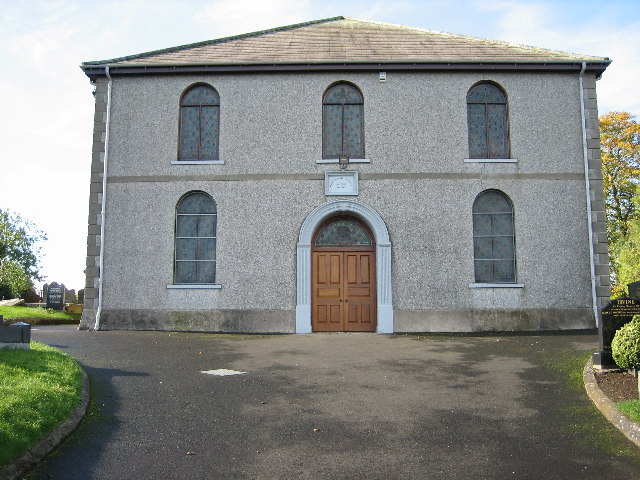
x=346, y=175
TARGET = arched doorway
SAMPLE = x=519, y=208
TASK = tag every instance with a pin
x=368, y=215
x=343, y=277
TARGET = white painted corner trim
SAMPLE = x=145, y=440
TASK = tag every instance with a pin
x=383, y=261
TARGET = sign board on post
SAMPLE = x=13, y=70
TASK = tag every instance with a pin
x=55, y=297
x=617, y=313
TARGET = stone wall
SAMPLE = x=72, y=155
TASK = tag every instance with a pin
x=596, y=187
x=92, y=271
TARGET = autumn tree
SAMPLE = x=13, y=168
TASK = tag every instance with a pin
x=629, y=249
x=19, y=254
x=620, y=147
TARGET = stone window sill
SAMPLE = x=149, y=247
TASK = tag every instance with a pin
x=210, y=286
x=496, y=285
x=490, y=160
x=197, y=162
x=337, y=160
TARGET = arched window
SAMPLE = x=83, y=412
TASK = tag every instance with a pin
x=199, y=124
x=343, y=232
x=342, y=122
x=195, y=248
x=494, y=251
x=487, y=122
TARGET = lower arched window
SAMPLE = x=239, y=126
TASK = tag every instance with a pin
x=195, y=241
x=494, y=246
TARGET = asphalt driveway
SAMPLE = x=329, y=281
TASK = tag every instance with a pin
x=334, y=406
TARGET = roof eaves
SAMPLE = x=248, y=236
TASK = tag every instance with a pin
x=403, y=65
x=211, y=42
x=408, y=61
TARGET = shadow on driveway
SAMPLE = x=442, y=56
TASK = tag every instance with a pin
x=336, y=406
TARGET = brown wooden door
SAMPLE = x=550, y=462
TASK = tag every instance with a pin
x=343, y=291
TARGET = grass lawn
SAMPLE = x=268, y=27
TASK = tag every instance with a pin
x=631, y=408
x=587, y=423
x=39, y=388
x=39, y=313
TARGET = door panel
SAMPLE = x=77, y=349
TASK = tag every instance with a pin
x=335, y=265
x=327, y=292
x=360, y=292
x=343, y=291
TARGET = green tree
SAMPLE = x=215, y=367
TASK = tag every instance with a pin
x=629, y=249
x=19, y=254
x=620, y=147
x=14, y=282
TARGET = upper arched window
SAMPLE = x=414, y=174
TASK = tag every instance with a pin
x=494, y=252
x=199, y=124
x=342, y=122
x=487, y=121
x=195, y=249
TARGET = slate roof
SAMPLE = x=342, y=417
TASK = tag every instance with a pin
x=343, y=42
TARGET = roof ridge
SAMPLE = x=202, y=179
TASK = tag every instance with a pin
x=216, y=40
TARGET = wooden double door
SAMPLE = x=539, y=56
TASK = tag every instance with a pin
x=344, y=287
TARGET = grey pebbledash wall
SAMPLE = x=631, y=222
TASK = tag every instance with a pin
x=417, y=181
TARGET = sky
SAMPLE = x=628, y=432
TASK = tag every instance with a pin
x=46, y=106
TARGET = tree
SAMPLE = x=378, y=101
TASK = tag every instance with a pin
x=14, y=282
x=629, y=249
x=19, y=254
x=620, y=147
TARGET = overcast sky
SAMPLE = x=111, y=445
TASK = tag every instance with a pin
x=46, y=106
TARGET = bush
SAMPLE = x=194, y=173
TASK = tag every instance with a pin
x=625, y=346
x=14, y=281
x=618, y=290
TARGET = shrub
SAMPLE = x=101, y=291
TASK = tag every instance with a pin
x=14, y=281
x=625, y=346
x=618, y=290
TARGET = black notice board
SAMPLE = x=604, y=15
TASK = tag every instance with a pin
x=55, y=297
x=617, y=313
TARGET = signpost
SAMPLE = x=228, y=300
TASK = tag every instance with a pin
x=55, y=297
x=617, y=313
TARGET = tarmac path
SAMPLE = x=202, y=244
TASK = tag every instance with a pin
x=334, y=406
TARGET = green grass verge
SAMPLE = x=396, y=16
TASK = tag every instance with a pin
x=570, y=364
x=39, y=389
x=631, y=408
x=43, y=313
x=587, y=423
